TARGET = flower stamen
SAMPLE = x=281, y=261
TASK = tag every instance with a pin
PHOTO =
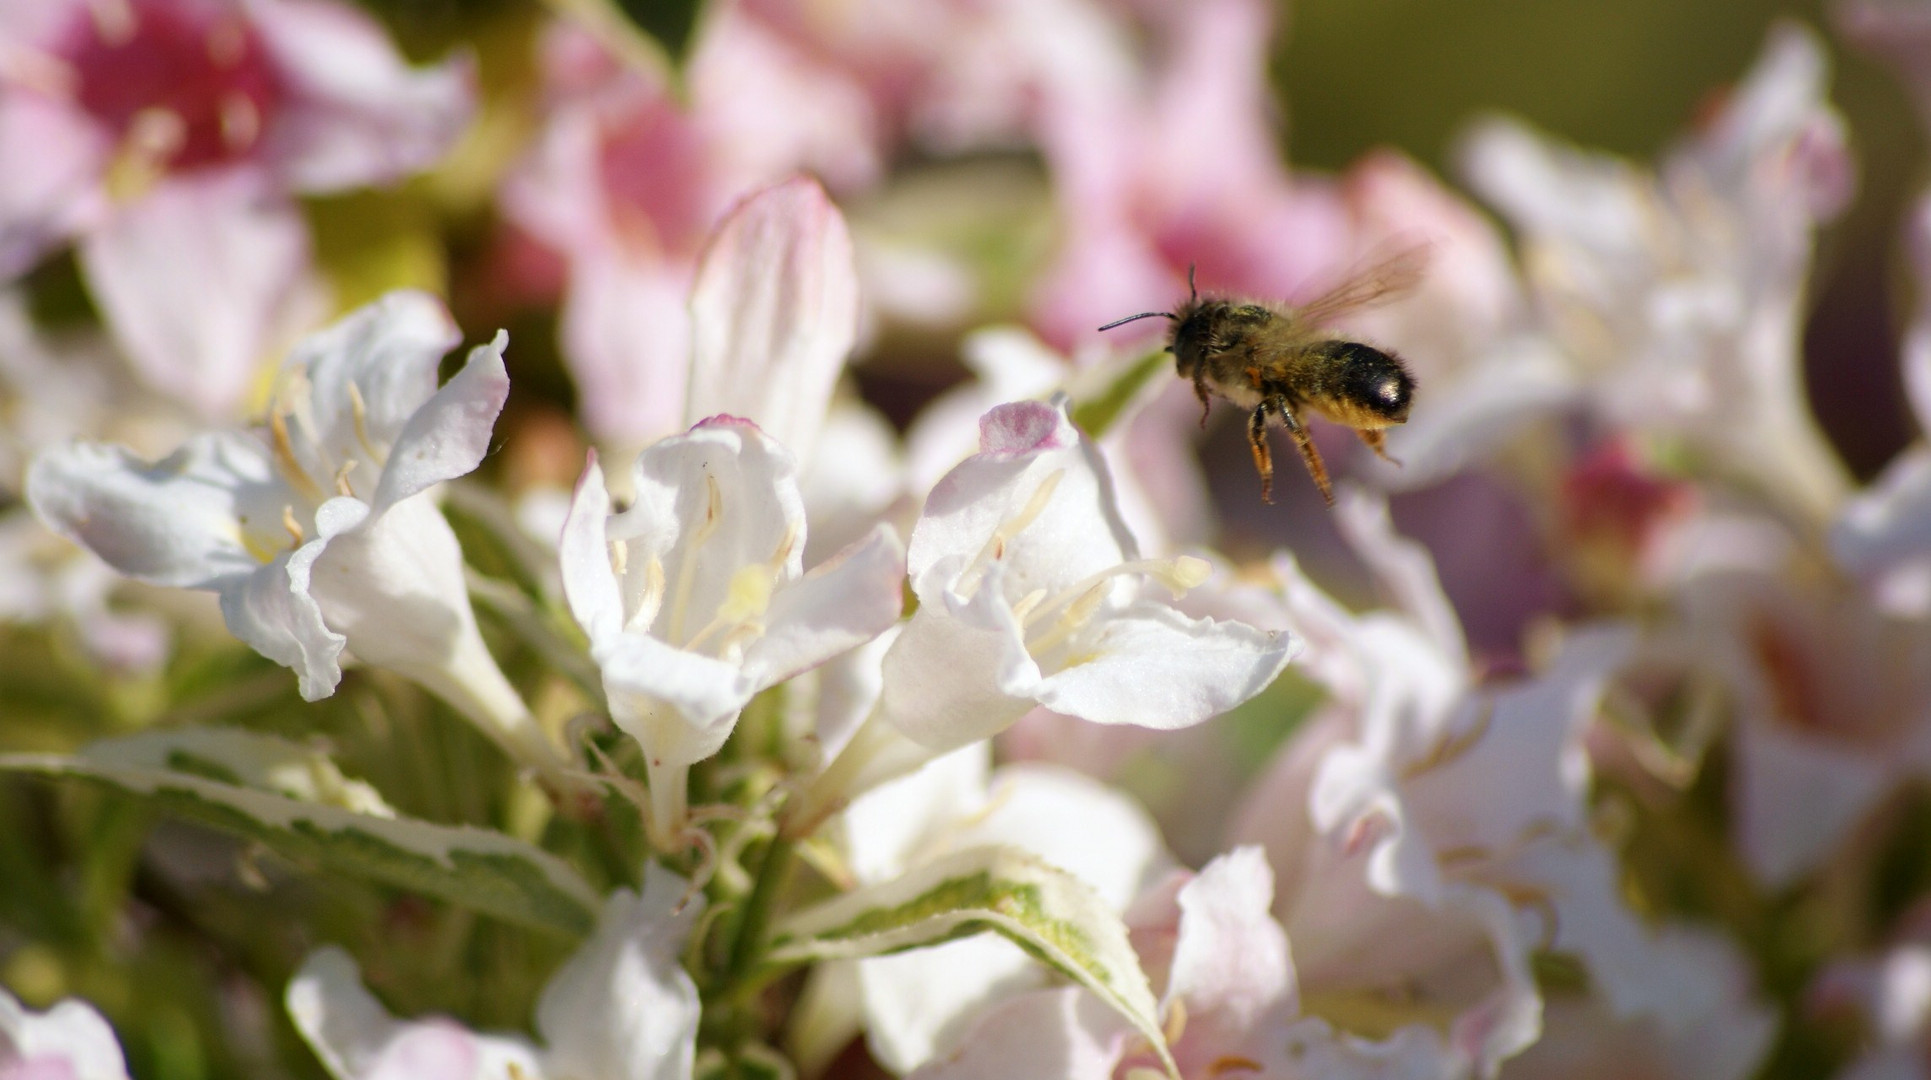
x=995, y=545
x=687, y=568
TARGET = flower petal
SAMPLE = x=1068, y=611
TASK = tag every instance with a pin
x=370, y=371
x=722, y=496
x=357, y=1039
x=626, y=336
x=1075, y=532
x=589, y=583
x=449, y=435
x=357, y=113
x=774, y=312
x=622, y=1007
x=180, y=522
x=69, y=1040
x=1231, y=963
x=959, y=672
x=1153, y=667
x=841, y=604
x=680, y=706
x=49, y=188
x=273, y=612
x=199, y=280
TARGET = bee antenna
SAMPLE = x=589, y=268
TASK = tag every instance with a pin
x=1141, y=315
x=1193, y=294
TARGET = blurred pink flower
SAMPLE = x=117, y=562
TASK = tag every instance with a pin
x=626, y=182
x=956, y=75
x=1883, y=536
x=1182, y=171
x=167, y=137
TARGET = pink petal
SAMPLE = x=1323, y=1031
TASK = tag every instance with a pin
x=200, y=280
x=774, y=313
x=357, y=114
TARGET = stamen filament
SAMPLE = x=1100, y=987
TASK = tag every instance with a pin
x=359, y=412
x=995, y=545
x=285, y=460
x=687, y=569
x=294, y=527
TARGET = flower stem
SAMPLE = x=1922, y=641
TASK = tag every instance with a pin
x=747, y=946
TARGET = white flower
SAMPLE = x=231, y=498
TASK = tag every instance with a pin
x=67, y=1042
x=915, y=1004
x=1427, y=832
x=621, y=1008
x=1028, y=591
x=1679, y=296
x=320, y=532
x=695, y=598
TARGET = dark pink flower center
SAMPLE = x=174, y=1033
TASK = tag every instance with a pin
x=191, y=82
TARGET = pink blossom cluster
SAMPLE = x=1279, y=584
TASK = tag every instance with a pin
x=981, y=741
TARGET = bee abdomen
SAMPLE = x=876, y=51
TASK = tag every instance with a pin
x=1369, y=380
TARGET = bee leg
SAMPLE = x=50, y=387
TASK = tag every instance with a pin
x=1257, y=441
x=1377, y=439
x=1309, y=454
x=1200, y=391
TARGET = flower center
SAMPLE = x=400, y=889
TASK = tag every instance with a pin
x=182, y=86
x=1073, y=607
x=739, y=617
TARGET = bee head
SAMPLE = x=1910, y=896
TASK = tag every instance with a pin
x=1373, y=380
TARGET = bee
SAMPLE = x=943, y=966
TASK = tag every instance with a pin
x=1274, y=358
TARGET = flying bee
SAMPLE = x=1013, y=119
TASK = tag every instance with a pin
x=1281, y=359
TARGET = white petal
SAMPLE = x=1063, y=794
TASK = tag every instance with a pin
x=385, y=354
x=1231, y=964
x=774, y=311
x=393, y=585
x=758, y=510
x=840, y=605
x=681, y=706
x=1153, y=667
x=357, y=114
x=959, y=671
x=200, y=279
x=449, y=435
x=177, y=522
x=70, y=1041
x=622, y=1007
x=589, y=583
x=273, y=612
x=1077, y=530
x=1064, y=1033
x=918, y=1003
x=357, y=1039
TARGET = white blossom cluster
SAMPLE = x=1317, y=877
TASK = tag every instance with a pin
x=913, y=745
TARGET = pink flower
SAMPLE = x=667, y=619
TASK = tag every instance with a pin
x=627, y=182
x=1185, y=172
x=168, y=136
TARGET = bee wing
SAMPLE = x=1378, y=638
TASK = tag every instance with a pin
x=1371, y=283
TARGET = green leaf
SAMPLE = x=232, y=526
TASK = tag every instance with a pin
x=1044, y=910
x=1097, y=408
x=671, y=23
x=297, y=803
